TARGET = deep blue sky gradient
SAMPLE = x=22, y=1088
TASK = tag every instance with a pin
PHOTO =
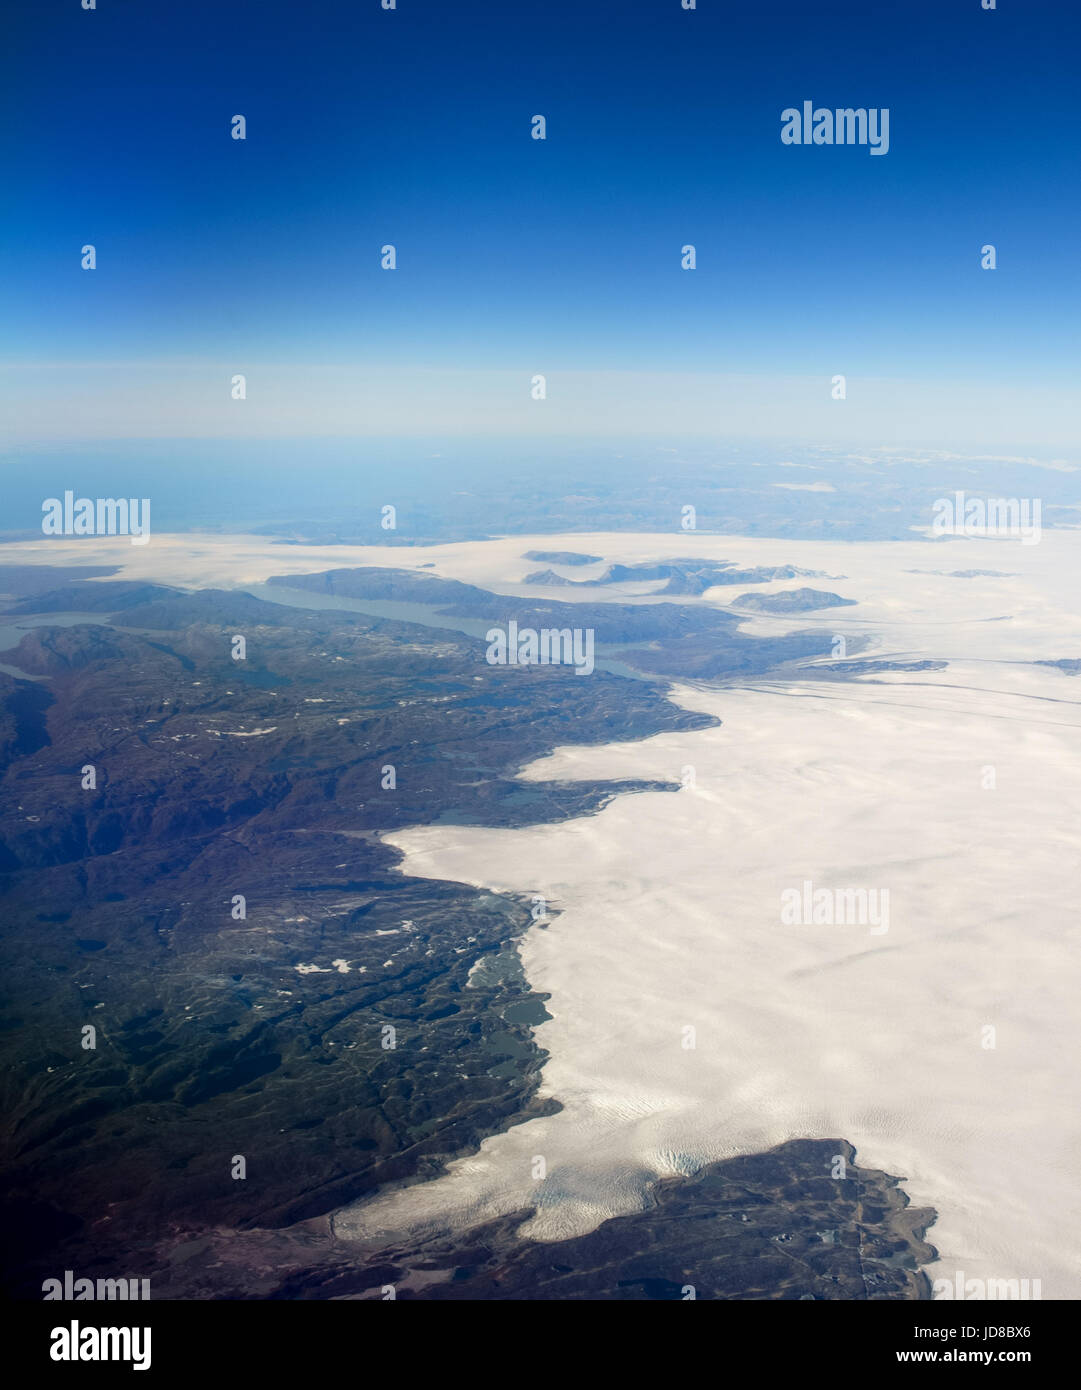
x=663, y=127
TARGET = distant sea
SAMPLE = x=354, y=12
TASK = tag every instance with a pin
x=335, y=489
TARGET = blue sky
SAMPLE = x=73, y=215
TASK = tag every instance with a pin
x=518, y=256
